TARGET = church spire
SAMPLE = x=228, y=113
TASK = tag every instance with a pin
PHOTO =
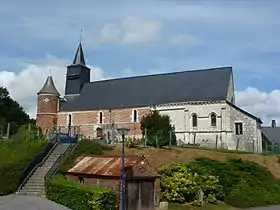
x=79, y=56
x=49, y=87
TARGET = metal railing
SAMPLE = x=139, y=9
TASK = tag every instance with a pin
x=55, y=141
x=58, y=162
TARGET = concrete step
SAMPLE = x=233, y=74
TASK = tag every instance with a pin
x=32, y=184
x=33, y=188
x=23, y=192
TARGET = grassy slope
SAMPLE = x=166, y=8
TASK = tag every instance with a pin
x=14, y=156
x=159, y=157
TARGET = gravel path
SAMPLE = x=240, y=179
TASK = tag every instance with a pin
x=26, y=202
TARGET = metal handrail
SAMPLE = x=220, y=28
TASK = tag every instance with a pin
x=59, y=160
x=39, y=164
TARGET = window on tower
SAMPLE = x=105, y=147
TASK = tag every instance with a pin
x=194, y=120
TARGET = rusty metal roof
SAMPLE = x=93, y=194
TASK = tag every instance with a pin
x=105, y=165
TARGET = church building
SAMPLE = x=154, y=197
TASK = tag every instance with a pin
x=200, y=103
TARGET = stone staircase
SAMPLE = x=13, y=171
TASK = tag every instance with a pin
x=35, y=185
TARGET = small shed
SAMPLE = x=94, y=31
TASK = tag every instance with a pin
x=142, y=183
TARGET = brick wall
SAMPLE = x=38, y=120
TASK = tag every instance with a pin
x=88, y=121
x=47, y=106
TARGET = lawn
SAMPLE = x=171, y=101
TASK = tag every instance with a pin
x=14, y=157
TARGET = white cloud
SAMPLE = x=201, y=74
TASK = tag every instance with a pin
x=184, y=39
x=265, y=105
x=130, y=30
x=23, y=86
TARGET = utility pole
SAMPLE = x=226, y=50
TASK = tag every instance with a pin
x=8, y=130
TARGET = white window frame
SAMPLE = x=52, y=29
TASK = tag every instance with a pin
x=238, y=133
x=213, y=113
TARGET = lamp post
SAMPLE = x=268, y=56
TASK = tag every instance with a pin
x=123, y=132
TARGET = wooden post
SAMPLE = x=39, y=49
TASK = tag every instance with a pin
x=146, y=136
x=8, y=130
x=170, y=137
x=216, y=141
x=237, y=144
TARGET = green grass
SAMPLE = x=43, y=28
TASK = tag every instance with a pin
x=84, y=147
x=220, y=206
x=14, y=151
x=14, y=157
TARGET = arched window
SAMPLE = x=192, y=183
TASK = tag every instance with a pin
x=135, y=115
x=100, y=117
x=213, y=119
x=69, y=119
x=194, y=120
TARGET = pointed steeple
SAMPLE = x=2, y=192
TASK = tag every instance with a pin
x=49, y=87
x=79, y=56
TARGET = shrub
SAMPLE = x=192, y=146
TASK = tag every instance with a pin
x=246, y=184
x=179, y=184
x=12, y=162
x=158, y=130
x=77, y=196
x=85, y=146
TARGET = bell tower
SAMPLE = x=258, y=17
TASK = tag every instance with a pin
x=47, y=106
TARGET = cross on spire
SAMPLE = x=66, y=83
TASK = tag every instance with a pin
x=81, y=35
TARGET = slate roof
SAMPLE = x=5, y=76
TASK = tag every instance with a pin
x=140, y=91
x=49, y=87
x=272, y=134
x=79, y=58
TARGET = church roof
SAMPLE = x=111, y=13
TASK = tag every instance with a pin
x=141, y=91
x=79, y=58
x=49, y=87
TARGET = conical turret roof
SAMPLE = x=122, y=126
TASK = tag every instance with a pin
x=79, y=58
x=49, y=87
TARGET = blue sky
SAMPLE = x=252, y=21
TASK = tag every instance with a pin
x=129, y=37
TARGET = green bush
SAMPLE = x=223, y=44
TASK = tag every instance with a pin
x=179, y=184
x=158, y=129
x=14, y=157
x=77, y=196
x=246, y=184
x=84, y=146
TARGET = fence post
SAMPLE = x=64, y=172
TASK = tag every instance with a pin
x=170, y=137
x=8, y=130
x=145, y=139
x=216, y=141
x=237, y=144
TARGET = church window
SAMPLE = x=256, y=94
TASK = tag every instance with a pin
x=213, y=119
x=69, y=121
x=238, y=128
x=100, y=117
x=194, y=120
x=134, y=115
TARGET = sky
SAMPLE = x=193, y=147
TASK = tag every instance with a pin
x=129, y=38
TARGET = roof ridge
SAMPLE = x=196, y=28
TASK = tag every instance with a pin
x=162, y=74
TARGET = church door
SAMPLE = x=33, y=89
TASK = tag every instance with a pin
x=99, y=133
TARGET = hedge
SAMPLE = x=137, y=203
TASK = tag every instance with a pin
x=80, y=197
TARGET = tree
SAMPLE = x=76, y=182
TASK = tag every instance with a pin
x=11, y=111
x=160, y=132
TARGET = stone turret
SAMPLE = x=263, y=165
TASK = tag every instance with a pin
x=47, y=106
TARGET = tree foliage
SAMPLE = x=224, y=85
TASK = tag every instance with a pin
x=180, y=185
x=160, y=132
x=11, y=111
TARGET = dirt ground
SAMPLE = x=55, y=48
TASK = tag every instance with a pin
x=159, y=157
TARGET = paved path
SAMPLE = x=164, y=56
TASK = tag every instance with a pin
x=266, y=208
x=26, y=202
